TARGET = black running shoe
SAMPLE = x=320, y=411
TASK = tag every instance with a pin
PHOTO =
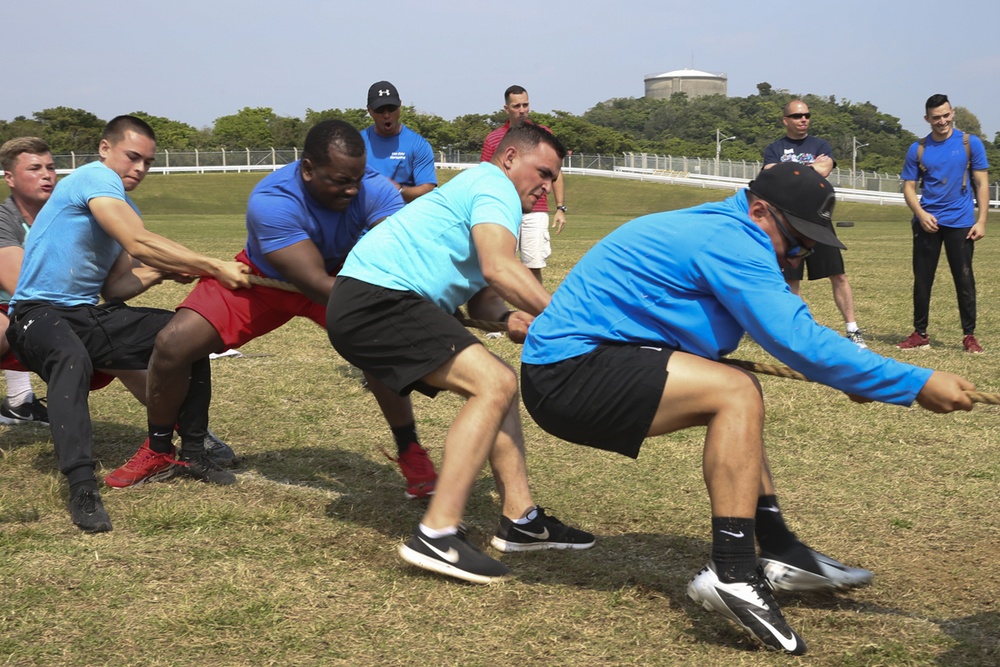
x=750, y=604
x=87, y=511
x=32, y=412
x=453, y=555
x=542, y=532
x=220, y=452
x=203, y=467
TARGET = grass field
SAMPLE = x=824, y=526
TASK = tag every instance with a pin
x=296, y=564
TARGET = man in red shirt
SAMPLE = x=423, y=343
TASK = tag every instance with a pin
x=533, y=243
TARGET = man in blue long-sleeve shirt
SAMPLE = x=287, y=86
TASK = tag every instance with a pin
x=628, y=349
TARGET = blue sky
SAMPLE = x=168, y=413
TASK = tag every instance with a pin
x=194, y=61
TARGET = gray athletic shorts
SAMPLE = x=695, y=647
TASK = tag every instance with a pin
x=606, y=398
x=397, y=336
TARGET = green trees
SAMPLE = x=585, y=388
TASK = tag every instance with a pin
x=676, y=126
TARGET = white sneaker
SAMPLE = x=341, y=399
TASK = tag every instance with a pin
x=750, y=604
x=856, y=338
x=821, y=574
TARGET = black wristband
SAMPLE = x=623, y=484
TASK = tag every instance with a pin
x=506, y=316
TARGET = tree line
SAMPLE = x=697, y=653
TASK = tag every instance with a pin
x=675, y=126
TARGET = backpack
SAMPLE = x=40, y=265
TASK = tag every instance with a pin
x=968, y=161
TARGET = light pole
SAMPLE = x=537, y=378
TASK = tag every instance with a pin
x=854, y=159
x=718, y=147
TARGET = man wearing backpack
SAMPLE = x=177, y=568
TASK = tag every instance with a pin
x=952, y=169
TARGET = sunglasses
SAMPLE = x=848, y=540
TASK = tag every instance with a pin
x=795, y=249
x=390, y=108
x=797, y=116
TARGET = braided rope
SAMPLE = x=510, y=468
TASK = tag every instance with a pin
x=752, y=366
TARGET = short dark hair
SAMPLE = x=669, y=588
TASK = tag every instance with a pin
x=11, y=150
x=513, y=90
x=116, y=128
x=337, y=135
x=934, y=101
x=528, y=136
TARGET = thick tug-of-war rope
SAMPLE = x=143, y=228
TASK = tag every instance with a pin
x=752, y=366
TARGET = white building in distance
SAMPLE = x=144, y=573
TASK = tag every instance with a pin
x=694, y=83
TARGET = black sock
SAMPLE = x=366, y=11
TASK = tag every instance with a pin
x=773, y=535
x=404, y=435
x=161, y=438
x=733, y=548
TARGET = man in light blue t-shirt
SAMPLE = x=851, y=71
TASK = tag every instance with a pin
x=394, y=150
x=391, y=314
x=87, y=243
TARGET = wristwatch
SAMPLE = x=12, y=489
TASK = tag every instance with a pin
x=561, y=208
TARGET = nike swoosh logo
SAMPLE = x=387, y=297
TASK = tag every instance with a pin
x=544, y=535
x=162, y=435
x=788, y=643
x=650, y=347
x=736, y=535
x=772, y=508
x=451, y=555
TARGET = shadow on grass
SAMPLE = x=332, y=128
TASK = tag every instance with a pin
x=978, y=642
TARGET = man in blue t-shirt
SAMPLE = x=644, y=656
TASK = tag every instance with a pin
x=952, y=169
x=629, y=348
x=302, y=220
x=827, y=261
x=394, y=150
x=391, y=314
x=86, y=243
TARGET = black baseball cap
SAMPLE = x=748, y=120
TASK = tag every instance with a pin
x=383, y=93
x=805, y=197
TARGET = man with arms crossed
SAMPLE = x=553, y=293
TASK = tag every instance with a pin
x=394, y=150
x=534, y=242
x=391, y=313
x=952, y=169
x=827, y=261
x=87, y=242
x=629, y=349
x=302, y=220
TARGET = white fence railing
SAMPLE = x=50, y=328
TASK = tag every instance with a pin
x=700, y=172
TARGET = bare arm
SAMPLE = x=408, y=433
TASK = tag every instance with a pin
x=411, y=192
x=513, y=281
x=559, y=219
x=123, y=224
x=129, y=277
x=10, y=267
x=981, y=183
x=302, y=265
x=926, y=220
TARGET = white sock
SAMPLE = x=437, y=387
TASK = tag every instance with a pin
x=528, y=518
x=438, y=534
x=18, y=388
x=852, y=326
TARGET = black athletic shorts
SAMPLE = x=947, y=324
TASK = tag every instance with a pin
x=825, y=261
x=397, y=336
x=114, y=334
x=606, y=398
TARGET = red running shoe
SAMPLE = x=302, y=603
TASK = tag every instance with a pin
x=144, y=466
x=916, y=341
x=970, y=344
x=418, y=469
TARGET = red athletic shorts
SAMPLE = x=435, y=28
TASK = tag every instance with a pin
x=244, y=314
